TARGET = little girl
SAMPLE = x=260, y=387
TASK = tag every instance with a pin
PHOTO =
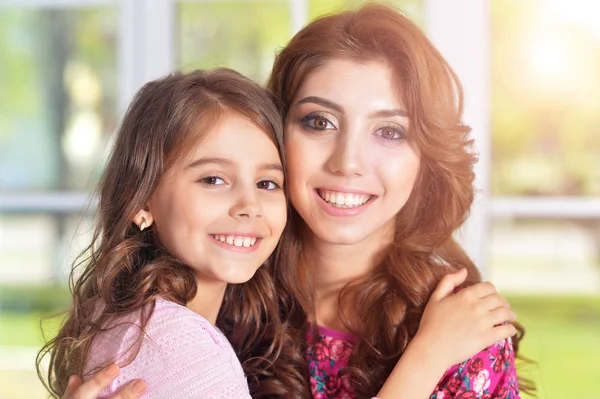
x=191, y=205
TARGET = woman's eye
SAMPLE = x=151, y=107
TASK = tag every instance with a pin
x=267, y=185
x=390, y=133
x=317, y=122
x=212, y=181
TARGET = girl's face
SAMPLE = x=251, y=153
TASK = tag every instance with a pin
x=351, y=167
x=222, y=210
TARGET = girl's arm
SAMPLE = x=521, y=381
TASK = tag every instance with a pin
x=454, y=328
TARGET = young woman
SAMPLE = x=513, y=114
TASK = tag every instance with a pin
x=380, y=176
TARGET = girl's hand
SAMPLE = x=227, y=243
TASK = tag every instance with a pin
x=456, y=326
x=77, y=389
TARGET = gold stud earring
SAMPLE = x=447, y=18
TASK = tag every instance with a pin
x=143, y=224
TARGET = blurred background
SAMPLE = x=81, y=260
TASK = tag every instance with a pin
x=531, y=71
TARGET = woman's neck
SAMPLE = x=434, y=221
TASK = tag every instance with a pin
x=333, y=266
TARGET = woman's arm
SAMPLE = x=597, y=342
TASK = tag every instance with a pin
x=91, y=389
x=454, y=327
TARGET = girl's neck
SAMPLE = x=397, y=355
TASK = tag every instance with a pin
x=208, y=299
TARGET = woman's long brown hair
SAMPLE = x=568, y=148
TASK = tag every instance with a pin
x=390, y=301
x=124, y=269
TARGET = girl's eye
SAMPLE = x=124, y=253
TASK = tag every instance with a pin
x=390, y=133
x=212, y=181
x=267, y=185
x=317, y=122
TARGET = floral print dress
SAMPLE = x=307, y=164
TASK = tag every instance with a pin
x=490, y=374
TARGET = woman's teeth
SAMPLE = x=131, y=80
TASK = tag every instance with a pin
x=344, y=200
x=238, y=241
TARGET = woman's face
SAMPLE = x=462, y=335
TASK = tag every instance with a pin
x=351, y=165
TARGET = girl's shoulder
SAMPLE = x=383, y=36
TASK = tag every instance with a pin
x=177, y=350
x=173, y=320
x=168, y=324
x=489, y=374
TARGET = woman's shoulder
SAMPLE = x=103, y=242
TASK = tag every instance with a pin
x=488, y=374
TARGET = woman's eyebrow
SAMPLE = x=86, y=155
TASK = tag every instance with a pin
x=321, y=101
x=389, y=113
x=384, y=113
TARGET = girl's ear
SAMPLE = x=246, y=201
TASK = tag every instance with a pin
x=143, y=218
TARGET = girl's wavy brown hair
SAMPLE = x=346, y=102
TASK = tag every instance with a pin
x=390, y=301
x=125, y=269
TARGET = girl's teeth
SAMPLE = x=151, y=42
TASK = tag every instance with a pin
x=237, y=241
x=344, y=200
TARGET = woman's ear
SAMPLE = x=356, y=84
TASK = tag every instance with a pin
x=143, y=219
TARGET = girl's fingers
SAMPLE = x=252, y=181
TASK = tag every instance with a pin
x=448, y=283
x=501, y=332
x=501, y=315
x=494, y=301
x=484, y=289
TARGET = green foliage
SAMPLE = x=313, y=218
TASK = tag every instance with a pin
x=43, y=299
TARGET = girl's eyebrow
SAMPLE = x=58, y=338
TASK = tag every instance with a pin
x=271, y=166
x=228, y=162
x=204, y=161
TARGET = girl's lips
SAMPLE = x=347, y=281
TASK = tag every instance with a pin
x=236, y=248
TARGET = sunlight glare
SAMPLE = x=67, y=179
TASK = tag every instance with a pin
x=583, y=13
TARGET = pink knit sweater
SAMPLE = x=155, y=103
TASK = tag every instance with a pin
x=182, y=356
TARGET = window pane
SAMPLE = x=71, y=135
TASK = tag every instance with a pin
x=36, y=252
x=39, y=248
x=550, y=272
x=57, y=109
x=545, y=85
x=239, y=35
x=57, y=95
x=535, y=256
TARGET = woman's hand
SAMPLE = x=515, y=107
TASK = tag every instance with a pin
x=77, y=389
x=456, y=326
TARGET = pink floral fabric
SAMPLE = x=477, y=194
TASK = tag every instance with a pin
x=490, y=374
